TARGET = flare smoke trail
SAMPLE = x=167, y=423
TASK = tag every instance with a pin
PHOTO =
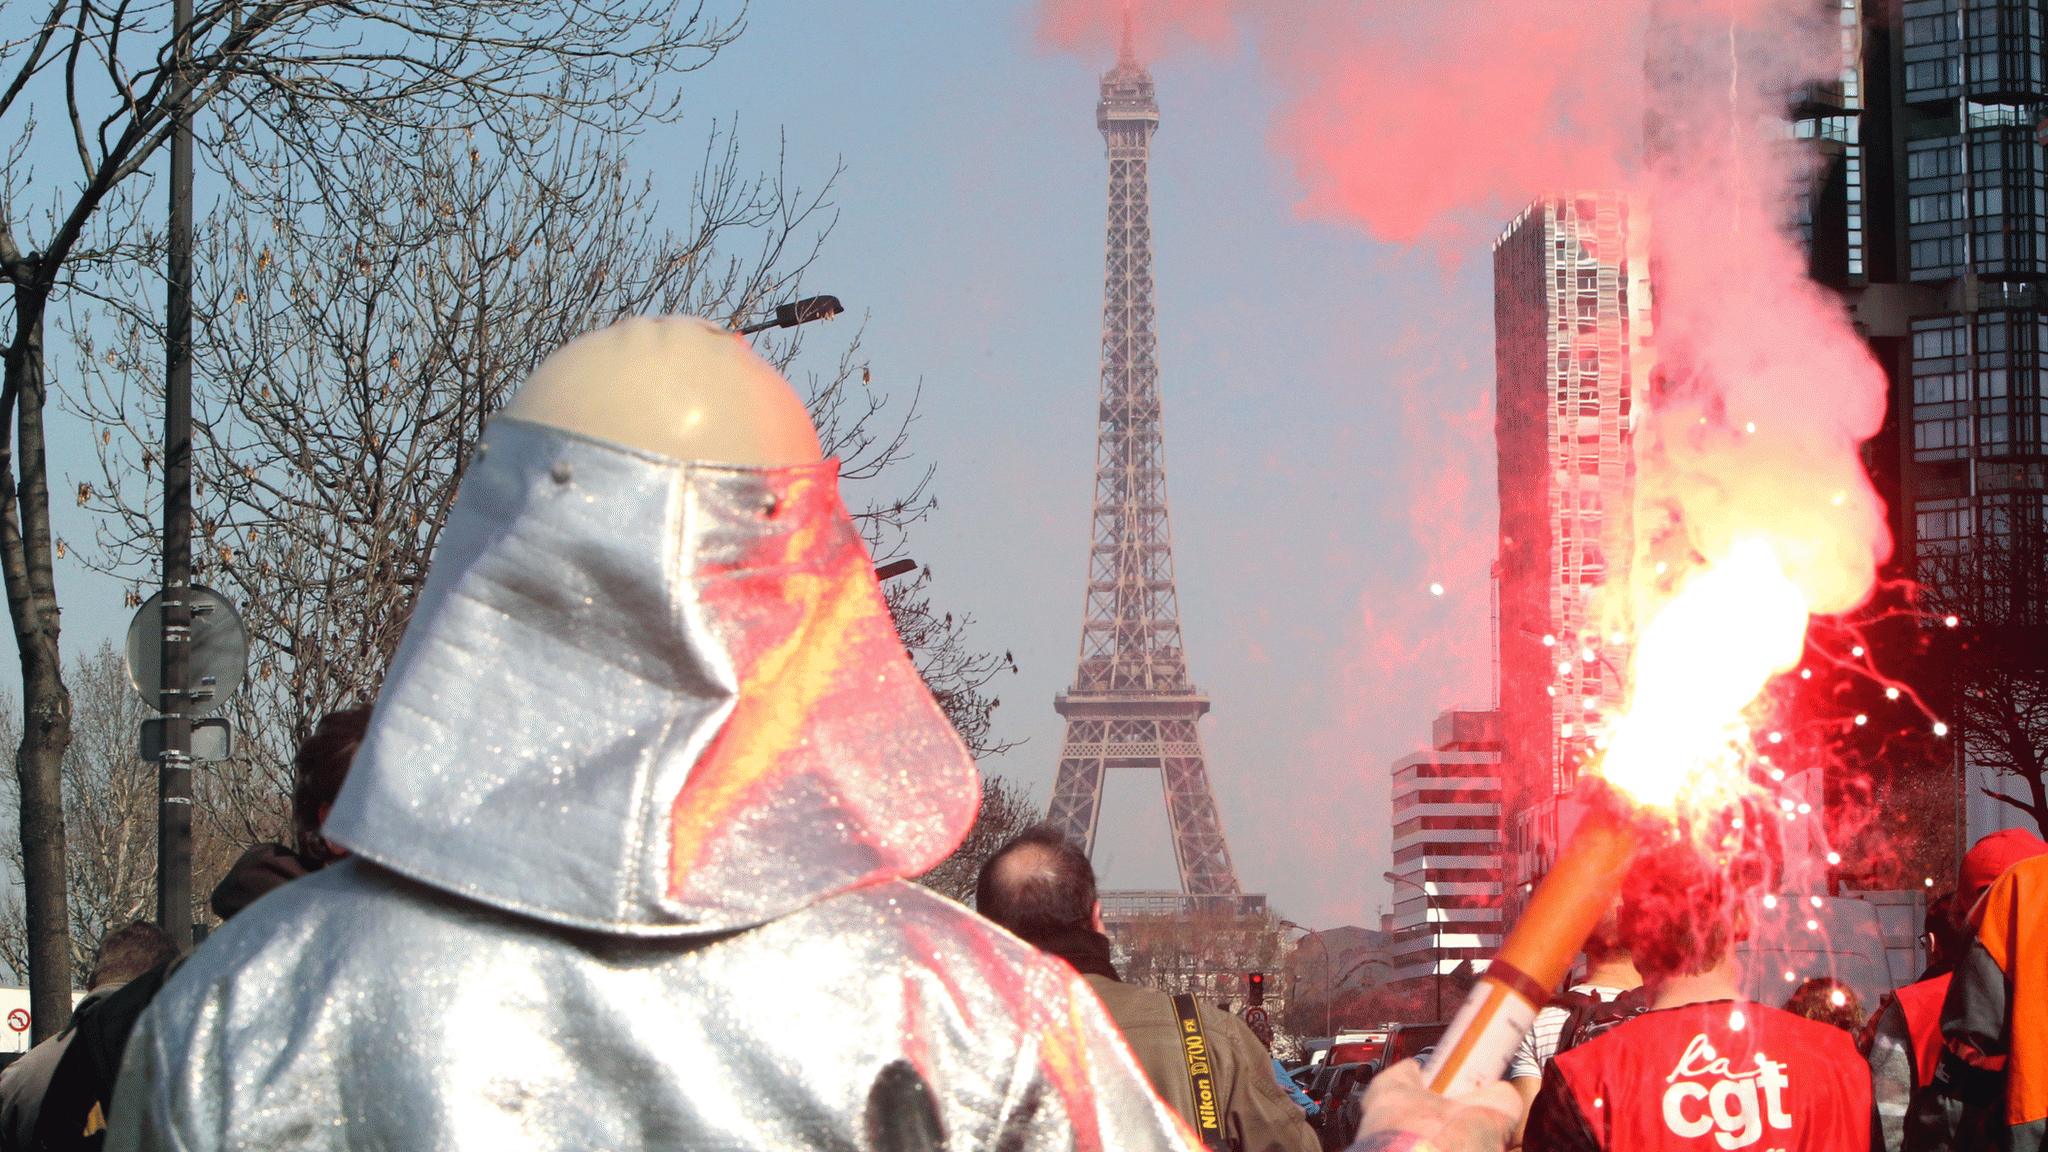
x=1432, y=124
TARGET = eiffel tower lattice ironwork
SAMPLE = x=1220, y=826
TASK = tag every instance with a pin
x=1132, y=705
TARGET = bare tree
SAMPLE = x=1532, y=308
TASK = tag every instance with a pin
x=1205, y=951
x=275, y=89
x=349, y=357
x=958, y=675
x=1995, y=586
x=348, y=365
x=1005, y=811
x=957, y=672
x=110, y=816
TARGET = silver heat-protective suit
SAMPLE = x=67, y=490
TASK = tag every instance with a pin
x=628, y=830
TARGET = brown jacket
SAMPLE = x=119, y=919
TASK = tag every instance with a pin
x=1257, y=1114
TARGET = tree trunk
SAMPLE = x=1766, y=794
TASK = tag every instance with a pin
x=25, y=562
x=45, y=733
x=2037, y=787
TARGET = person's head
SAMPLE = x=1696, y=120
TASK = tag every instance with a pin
x=1680, y=915
x=1941, y=933
x=1038, y=884
x=317, y=773
x=1828, y=1002
x=1985, y=862
x=128, y=952
x=1606, y=945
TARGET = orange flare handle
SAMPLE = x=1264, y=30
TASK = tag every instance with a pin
x=1475, y=1049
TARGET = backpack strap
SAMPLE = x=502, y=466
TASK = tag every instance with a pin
x=1201, y=1066
x=1578, y=1010
x=1603, y=1016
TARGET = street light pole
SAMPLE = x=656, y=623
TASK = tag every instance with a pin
x=174, y=767
x=1436, y=934
x=797, y=312
x=1328, y=993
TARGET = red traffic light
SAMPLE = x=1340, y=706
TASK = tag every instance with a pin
x=1255, y=986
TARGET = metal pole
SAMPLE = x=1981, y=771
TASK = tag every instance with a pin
x=1329, y=992
x=174, y=770
x=1436, y=947
x=1436, y=933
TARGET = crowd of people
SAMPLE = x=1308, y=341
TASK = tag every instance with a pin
x=620, y=861
x=1657, y=1049
x=57, y=1094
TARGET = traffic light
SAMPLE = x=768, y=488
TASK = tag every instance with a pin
x=1255, y=988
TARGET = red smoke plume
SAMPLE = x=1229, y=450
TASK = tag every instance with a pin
x=1438, y=122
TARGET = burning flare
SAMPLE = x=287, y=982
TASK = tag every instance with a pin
x=1702, y=660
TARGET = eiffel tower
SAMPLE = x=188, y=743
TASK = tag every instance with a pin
x=1132, y=705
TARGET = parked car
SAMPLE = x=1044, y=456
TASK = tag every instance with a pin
x=1383, y=1046
x=1356, y=1057
x=1334, y=1086
x=1344, y=1106
x=1358, y=1046
x=1410, y=1040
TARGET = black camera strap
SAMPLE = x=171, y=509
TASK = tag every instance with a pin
x=1201, y=1064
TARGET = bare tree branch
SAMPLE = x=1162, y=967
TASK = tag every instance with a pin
x=1994, y=583
x=276, y=90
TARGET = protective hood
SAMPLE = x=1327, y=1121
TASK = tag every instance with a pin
x=651, y=697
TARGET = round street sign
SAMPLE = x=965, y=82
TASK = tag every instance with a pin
x=219, y=657
x=18, y=1019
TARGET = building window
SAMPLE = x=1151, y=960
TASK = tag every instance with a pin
x=1998, y=380
x=1935, y=212
x=2009, y=222
x=1941, y=388
x=1941, y=528
x=1932, y=35
x=1416, y=852
x=2003, y=39
x=1486, y=794
x=2006, y=515
x=1990, y=556
x=2010, y=415
x=1446, y=824
x=1852, y=174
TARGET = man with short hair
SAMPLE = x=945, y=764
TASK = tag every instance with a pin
x=1702, y=1069
x=1041, y=887
x=1575, y=1016
x=125, y=954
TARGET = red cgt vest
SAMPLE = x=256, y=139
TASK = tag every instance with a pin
x=1722, y=1077
x=1920, y=1003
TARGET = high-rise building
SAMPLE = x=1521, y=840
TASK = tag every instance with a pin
x=1447, y=821
x=1132, y=704
x=1932, y=219
x=1572, y=354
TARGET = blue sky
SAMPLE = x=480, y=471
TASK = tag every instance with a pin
x=1326, y=406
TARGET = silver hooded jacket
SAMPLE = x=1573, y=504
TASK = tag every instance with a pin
x=628, y=829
